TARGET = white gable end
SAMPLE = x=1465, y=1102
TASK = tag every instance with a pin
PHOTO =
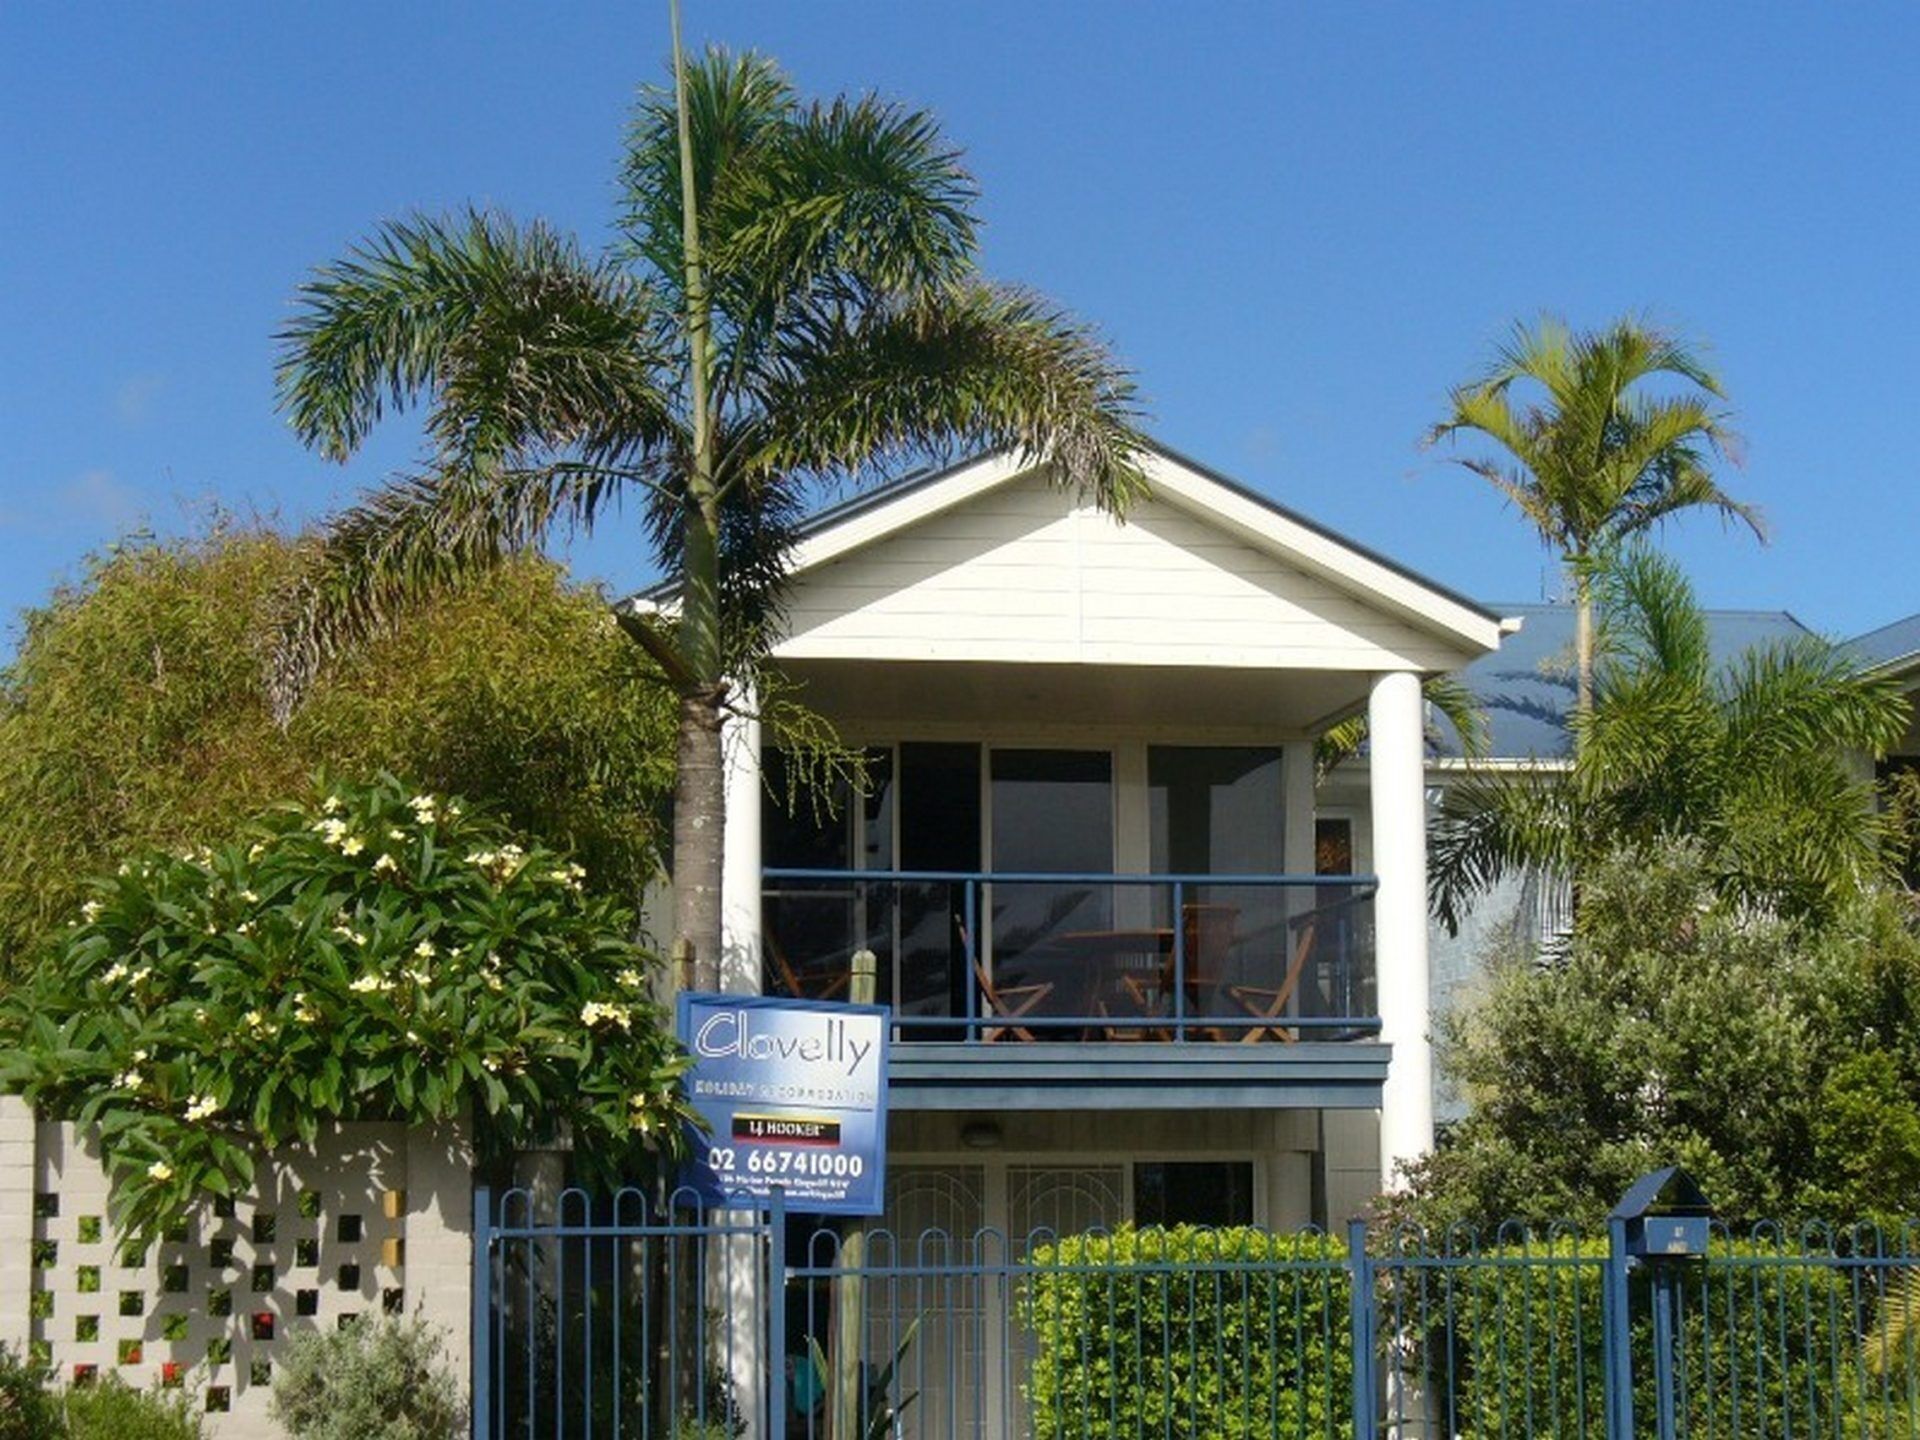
x=1023, y=572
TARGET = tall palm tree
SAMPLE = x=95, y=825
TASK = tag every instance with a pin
x=814, y=318
x=1748, y=761
x=1597, y=448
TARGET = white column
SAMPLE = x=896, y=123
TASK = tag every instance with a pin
x=1296, y=791
x=1397, y=775
x=740, y=856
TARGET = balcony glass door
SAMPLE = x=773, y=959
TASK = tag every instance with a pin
x=1217, y=810
x=1051, y=813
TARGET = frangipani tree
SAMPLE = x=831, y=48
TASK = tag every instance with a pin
x=814, y=317
x=1596, y=449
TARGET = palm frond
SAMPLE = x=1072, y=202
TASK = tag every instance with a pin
x=408, y=541
x=1594, y=459
x=506, y=332
x=975, y=365
x=1446, y=696
x=858, y=199
x=1491, y=826
x=737, y=105
x=1648, y=618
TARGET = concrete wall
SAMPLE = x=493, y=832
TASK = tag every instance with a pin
x=376, y=1219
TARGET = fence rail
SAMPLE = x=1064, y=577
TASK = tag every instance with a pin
x=620, y=1319
x=988, y=956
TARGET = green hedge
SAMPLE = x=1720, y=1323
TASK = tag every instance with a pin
x=1769, y=1345
x=1188, y=1333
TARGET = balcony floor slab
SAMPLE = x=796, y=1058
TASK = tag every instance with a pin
x=1310, y=1075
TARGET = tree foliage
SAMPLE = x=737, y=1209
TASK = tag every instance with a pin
x=383, y=954
x=794, y=304
x=1747, y=762
x=1779, y=1062
x=135, y=714
x=1599, y=437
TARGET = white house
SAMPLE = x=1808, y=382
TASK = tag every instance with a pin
x=1135, y=973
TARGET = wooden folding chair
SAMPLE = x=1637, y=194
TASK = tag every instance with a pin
x=1008, y=1002
x=790, y=978
x=1265, y=1002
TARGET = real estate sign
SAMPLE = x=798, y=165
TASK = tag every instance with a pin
x=794, y=1095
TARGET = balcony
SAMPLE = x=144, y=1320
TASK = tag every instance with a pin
x=999, y=959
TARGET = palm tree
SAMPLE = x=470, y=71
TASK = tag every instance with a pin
x=813, y=319
x=1747, y=761
x=1601, y=456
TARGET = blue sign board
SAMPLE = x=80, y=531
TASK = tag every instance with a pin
x=794, y=1096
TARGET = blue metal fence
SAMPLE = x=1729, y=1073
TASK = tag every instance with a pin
x=609, y=1319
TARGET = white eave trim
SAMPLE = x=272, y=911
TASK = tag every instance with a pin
x=1316, y=551
x=921, y=502
x=1258, y=524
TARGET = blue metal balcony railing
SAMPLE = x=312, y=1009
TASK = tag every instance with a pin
x=1001, y=957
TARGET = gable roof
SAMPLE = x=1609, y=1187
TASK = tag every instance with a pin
x=1224, y=504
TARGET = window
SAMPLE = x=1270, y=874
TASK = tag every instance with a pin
x=1216, y=810
x=811, y=928
x=1333, y=846
x=1193, y=1192
x=1052, y=813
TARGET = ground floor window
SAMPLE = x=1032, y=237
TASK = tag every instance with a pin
x=1193, y=1192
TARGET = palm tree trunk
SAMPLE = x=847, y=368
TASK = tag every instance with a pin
x=1582, y=642
x=699, y=829
x=699, y=794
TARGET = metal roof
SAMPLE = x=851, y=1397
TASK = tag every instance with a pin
x=1890, y=644
x=1526, y=686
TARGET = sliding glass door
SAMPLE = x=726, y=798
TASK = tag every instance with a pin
x=1051, y=812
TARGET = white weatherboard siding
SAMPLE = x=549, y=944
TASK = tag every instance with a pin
x=1027, y=573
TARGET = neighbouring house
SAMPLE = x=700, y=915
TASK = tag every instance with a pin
x=1895, y=650
x=1137, y=972
x=1526, y=692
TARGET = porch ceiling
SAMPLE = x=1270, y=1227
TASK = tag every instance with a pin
x=880, y=693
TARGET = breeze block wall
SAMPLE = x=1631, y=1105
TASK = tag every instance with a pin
x=375, y=1219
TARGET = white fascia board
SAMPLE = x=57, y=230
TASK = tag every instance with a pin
x=1455, y=765
x=1475, y=632
x=877, y=521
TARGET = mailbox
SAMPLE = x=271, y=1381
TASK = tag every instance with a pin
x=1667, y=1216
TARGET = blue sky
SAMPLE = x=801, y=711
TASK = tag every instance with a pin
x=1300, y=224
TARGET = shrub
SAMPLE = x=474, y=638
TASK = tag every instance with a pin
x=374, y=1380
x=1199, y=1334
x=28, y=1411
x=1770, y=1342
x=111, y=1409
x=135, y=715
x=379, y=955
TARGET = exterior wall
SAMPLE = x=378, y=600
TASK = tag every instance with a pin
x=1026, y=573
x=377, y=1219
x=1282, y=1146
x=1351, y=1155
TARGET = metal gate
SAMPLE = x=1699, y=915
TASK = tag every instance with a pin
x=604, y=1317
x=609, y=1317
